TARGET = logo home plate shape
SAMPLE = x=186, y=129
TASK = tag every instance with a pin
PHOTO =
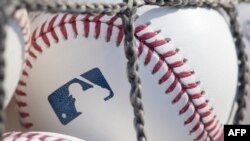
x=63, y=103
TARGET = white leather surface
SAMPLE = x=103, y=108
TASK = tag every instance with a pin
x=14, y=56
x=201, y=35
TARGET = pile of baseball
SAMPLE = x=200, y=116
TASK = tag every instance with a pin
x=66, y=79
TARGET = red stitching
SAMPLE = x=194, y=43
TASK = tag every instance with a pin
x=216, y=133
x=165, y=77
x=30, y=136
x=176, y=64
x=24, y=114
x=27, y=125
x=31, y=54
x=21, y=104
x=25, y=73
x=195, y=96
x=62, y=27
x=202, y=105
x=149, y=56
x=22, y=83
x=44, y=36
x=196, y=127
x=213, y=128
x=205, y=114
x=110, y=28
x=97, y=22
x=140, y=49
x=178, y=97
x=25, y=28
x=206, y=128
x=191, y=85
x=185, y=86
x=28, y=63
x=73, y=24
x=172, y=86
x=157, y=66
x=17, y=136
x=50, y=27
x=86, y=25
x=185, y=108
x=209, y=123
x=6, y=134
x=141, y=27
x=190, y=119
x=147, y=36
x=59, y=140
x=184, y=74
x=28, y=42
x=156, y=43
x=34, y=44
x=120, y=35
x=167, y=54
x=201, y=135
x=221, y=136
x=43, y=138
x=20, y=93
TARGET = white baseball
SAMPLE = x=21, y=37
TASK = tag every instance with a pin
x=17, y=39
x=37, y=136
x=72, y=55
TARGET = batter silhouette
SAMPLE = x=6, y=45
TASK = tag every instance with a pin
x=63, y=103
x=63, y=100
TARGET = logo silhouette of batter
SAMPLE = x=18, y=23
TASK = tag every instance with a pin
x=63, y=100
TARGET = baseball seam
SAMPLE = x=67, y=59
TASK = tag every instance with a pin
x=181, y=85
x=29, y=136
x=22, y=19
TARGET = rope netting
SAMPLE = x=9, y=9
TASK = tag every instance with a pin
x=127, y=12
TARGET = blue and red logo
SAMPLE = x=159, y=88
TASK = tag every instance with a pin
x=63, y=103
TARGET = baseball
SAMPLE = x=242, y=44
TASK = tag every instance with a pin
x=74, y=79
x=37, y=136
x=17, y=39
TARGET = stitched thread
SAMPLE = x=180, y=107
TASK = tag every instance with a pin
x=29, y=136
x=205, y=123
x=177, y=80
x=22, y=19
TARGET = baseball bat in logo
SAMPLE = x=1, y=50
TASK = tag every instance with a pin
x=63, y=103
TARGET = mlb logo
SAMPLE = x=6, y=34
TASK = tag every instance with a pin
x=63, y=102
